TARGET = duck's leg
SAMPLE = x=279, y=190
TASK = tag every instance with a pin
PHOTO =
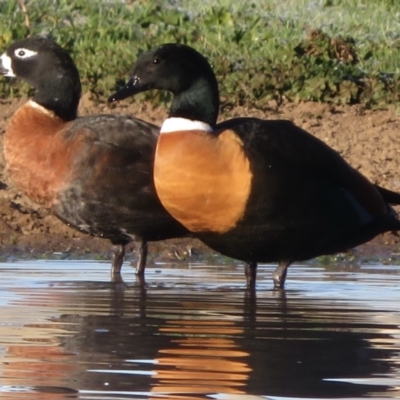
x=251, y=273
x=279, y=275
x=141, y=249
x=117, y=258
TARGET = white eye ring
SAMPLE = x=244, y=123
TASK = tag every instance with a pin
x=24, y=53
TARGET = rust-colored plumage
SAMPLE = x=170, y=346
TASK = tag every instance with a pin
x=195, y=190
x=38, y=157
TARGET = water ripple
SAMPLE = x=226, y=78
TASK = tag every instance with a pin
x=195, y=332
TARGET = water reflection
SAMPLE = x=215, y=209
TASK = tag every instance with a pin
x=188, y=340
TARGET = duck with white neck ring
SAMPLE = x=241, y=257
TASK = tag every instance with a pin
x=255, y=190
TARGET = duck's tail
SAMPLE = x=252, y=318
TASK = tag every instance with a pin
x=388, y=195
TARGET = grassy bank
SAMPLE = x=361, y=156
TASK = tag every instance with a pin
x=342, y=51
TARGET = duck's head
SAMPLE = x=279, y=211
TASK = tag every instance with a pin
x=177, y=68
x=47, y=67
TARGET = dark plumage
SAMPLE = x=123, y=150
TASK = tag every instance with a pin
x=95, y=173
x=265, y=190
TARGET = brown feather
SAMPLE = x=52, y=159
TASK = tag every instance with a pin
x=38, y=157
x=203, y=195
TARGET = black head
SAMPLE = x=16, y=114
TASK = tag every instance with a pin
x=49, y=69
x=179, y=69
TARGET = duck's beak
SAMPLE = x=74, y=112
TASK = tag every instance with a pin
x=134, y=86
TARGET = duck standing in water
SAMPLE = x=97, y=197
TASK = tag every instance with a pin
x=95, y=173
x=255, y=190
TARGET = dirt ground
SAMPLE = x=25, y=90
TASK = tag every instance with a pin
x=368, y=140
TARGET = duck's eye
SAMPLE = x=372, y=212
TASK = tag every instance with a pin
x=156, y=60
x=24, y=53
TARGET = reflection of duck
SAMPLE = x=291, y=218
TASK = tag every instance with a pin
x=207, y=359
x=37, y=368
x=183, y=344
x=255, y=190
x=95, y=172
x=174, y=339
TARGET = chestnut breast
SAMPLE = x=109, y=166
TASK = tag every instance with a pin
x=37, y=155
x=204, y=181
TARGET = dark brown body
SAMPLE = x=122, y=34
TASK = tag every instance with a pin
x=94, y=173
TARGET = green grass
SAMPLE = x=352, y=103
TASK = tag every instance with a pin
x=260, y=51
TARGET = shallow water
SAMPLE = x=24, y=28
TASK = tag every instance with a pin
x=66, y=332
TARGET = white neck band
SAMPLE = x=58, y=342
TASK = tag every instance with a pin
x=182, y=124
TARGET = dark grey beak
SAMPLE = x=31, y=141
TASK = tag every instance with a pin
x=134, y=86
